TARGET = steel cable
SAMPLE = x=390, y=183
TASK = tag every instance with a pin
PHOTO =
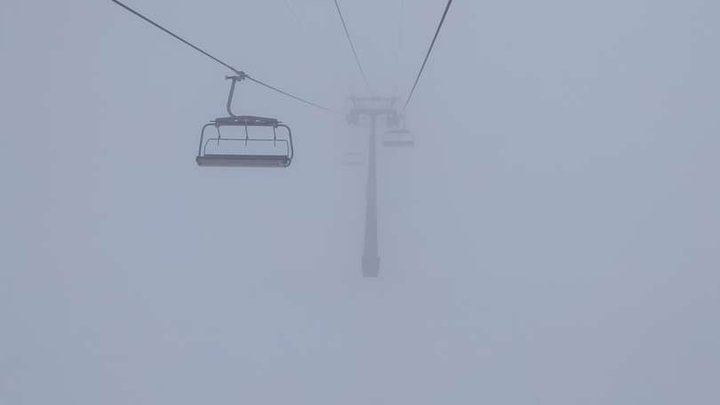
x=202, y=51
x=427, y=55
x=352, y=47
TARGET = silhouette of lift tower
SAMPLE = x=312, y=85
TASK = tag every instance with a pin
x=371, y=109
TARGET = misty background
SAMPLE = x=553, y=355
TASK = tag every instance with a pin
x=553, y=237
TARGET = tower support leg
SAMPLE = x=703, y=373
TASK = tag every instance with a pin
x=371, y=256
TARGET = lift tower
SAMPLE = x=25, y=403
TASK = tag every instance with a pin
x=371, y=108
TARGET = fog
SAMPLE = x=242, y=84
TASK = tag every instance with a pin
x=552, y=238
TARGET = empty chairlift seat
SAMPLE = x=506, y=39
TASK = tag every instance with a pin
x=353, y=159
x=245, y=141
x=399, y=138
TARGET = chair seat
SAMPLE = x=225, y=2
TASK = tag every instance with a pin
x=217, y=160
x=398, y=143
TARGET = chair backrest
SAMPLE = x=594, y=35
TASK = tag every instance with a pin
x=399, y=138
x=235, y=145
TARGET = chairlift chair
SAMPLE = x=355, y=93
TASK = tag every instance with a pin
x=398, y=137
x=352, y=159
x=273, y=150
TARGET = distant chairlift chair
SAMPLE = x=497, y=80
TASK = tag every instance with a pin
x=399, y=137
x=245, y=150
x=351, y=159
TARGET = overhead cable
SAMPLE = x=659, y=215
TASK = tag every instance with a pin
x=352, y=47
x=228, y=66
x=285, y=93
x=398, y=51
x=427, y=56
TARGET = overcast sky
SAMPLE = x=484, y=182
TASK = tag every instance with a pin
x=553, y=238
